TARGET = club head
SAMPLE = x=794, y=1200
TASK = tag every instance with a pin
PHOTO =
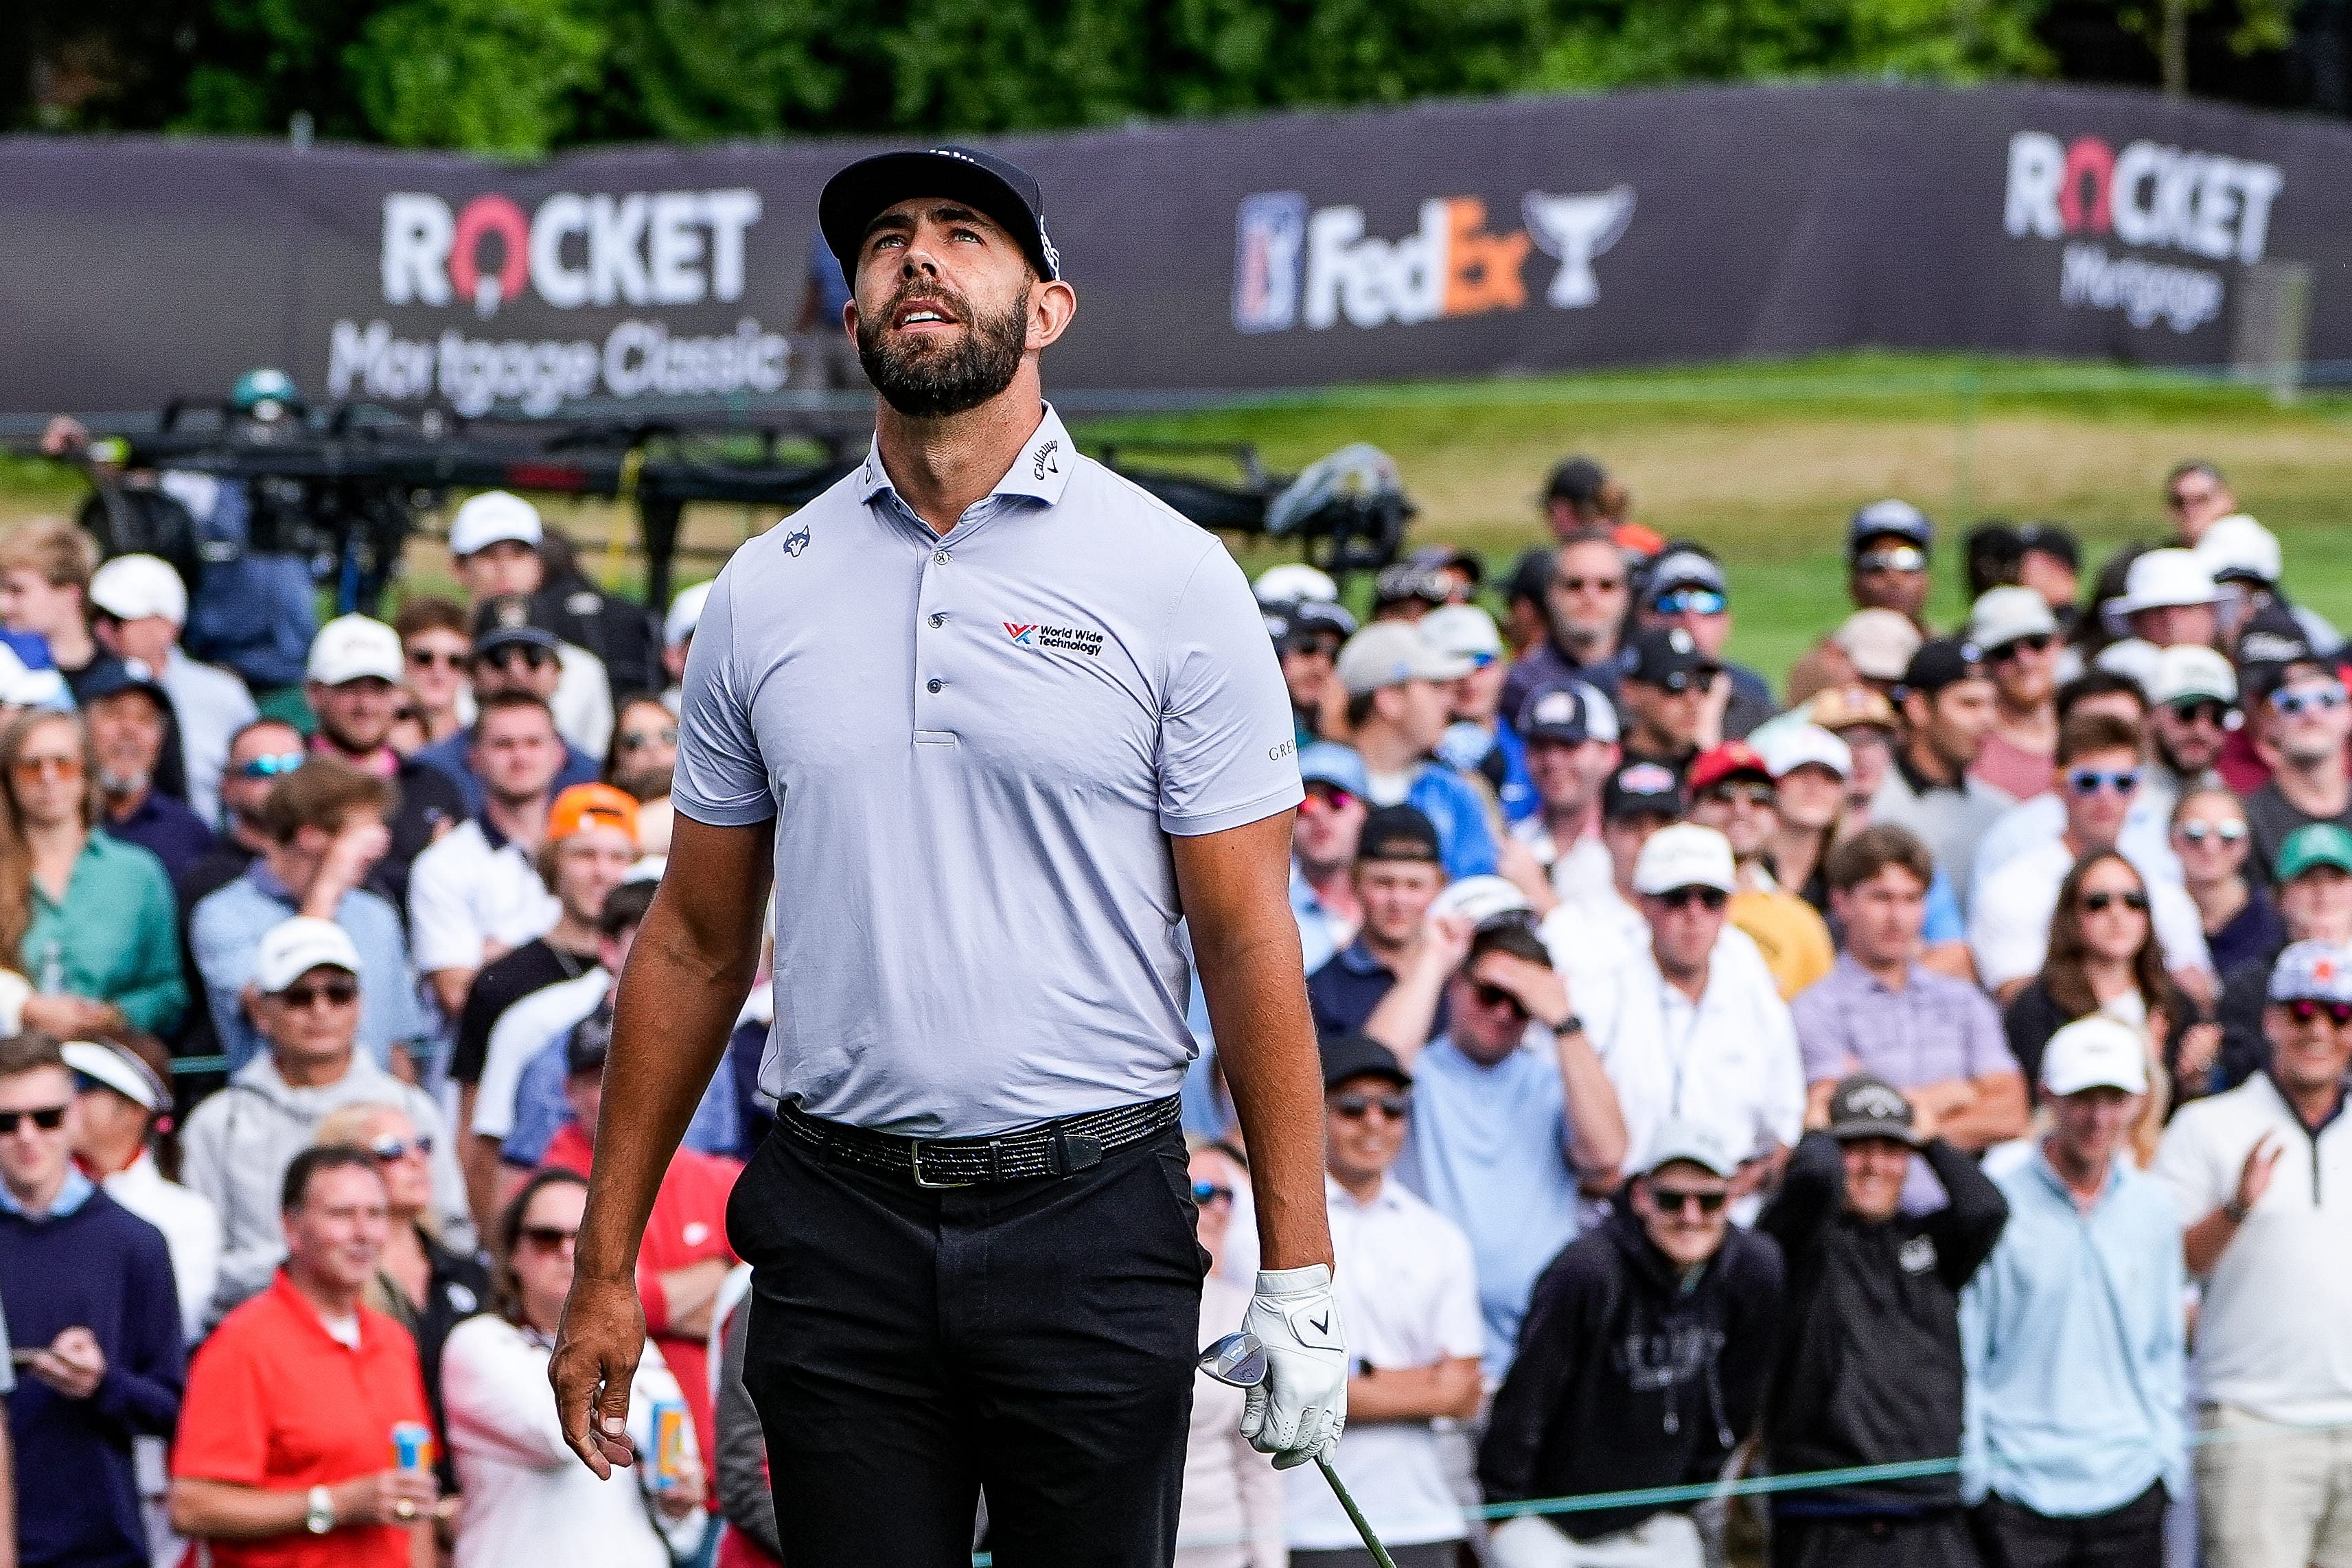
x=1237, y=1359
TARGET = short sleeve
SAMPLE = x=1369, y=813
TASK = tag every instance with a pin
x=224, y=1423
x=2005, y=932
x=1943, y=920
x=447, y=935
x=1227, y=755
x=1984, y=1045
x=1461, y=1327
x=721, y=779
x=1820, y=1038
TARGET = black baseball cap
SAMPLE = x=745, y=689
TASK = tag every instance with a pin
x=1002, y=190
x=1643, y=788
x=1682, y=564
x=1577, y=479
x=589, y=1043
x=1398, y=833
x=508, y=618
x=1941, y=662
x=2053, y=539
x=1408, y=580
x=1531, y=575
x=1360, y=1056
x=113, y=677
x=1665, y=657
x=1862, y=1106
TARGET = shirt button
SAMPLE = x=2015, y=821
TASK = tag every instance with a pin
x=939, y=620
x=933, y=685
x=939, y=557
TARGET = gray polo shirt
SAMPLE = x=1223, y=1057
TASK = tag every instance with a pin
x=974, y=746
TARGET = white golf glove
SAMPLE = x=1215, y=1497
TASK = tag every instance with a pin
x=1296, y=1412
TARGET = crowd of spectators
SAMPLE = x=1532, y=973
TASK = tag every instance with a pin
x=1922, y=1084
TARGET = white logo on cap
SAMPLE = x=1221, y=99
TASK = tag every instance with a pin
x=1874, y=1100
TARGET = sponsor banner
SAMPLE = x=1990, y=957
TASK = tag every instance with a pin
x=1517, y=237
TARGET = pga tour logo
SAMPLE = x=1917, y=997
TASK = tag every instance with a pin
x=2147, y=195
x=1292, y=263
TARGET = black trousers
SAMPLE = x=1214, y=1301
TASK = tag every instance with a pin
x=910, y=1347
x=2013, y=1536
x=1875, y=1541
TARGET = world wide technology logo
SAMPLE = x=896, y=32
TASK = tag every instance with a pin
x=1294, y=264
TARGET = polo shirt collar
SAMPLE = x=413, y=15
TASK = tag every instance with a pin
x=306, y=1311
x=2286, y=1103
x=76, y=1191
x=1862, y=977
x=1041, y=472
x=2056, y=1183
x=1921, y=785
x=1358, y=960
x=1340, y=1197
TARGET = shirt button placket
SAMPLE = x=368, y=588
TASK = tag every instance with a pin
x=935, y=619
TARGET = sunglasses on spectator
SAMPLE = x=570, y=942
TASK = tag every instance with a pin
x=1762, y=794
x=1683, y=680
x=33, y=770
x=1330, y=796
x=1896, y=558
x=49, y=1118
x=407, y=715
x=387, y=1150
x=1592, y=585
x=1691, y=602
x=549, y=1237
x=2197, y=830
x=335, y=993
x=1356, y=1106
x=1678, y=1200
x=2308, y=698
x=1314, y=647
x=533, y=656
x=2202, y=710
x=640, y=739
x=427, y=658
x=2302, y=1009
x=2037, y=642
x=276, y=764
x=2099, y=903
x=1497, y=997
x=2091, y=781
x=1684, y=898
x=1207, y=1193
x=2181, y=501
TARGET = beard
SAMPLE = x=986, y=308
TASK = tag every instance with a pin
x=926, y=380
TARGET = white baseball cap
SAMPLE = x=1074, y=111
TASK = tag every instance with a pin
x=1295, y=582
x=2238, y=546
x=685, y=614
x=1389, y=653
x=1879, y=642
x=119, y=1071
x=2096, y=1052
x=1480, y=900
x=351, y=647
x=132, y=587
x=1684, y=855
x=492, y=516
x=2164, y=579
x=1785, y=748
x=2136, y=656
x=292, y=948
x=2191, y=670
x=1465, y=630
x=2002, y=616
x=1681, y=1139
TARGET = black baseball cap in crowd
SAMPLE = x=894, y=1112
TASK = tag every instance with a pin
x=1664, y=657
x=1398, y=833
x=589, y=1043
x=2052, y=539
x=1889, y=519
x=508, y=618
x=1864, y=1107
x=1360, y=1056
x=1530, y=574
x=1941, y=662
x=1000, y=189
x=1643, y=788
x=1576, y=480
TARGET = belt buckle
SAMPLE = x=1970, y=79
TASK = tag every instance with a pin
x=915, y=1163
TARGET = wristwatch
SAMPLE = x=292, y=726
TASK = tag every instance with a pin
x=2236, y=1211
x=1571, y=1024
x=321, y=1517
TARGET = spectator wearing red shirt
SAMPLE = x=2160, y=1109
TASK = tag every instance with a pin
x=685, y=1258
x=285, y=1455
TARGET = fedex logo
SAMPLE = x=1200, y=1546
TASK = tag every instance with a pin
x=2206, y=204
x=1320, y=265
x=644, y=247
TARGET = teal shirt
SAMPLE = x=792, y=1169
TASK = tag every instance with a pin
x=113, y=937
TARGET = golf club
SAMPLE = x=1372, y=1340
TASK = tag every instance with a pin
x=1239, y=1360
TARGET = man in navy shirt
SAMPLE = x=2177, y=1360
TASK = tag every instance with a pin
x=1398, y=874
x=511, y=653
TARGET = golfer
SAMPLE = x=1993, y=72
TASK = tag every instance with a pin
x=997, y=720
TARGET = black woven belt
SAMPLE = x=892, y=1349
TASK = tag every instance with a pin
x=1043, y=1149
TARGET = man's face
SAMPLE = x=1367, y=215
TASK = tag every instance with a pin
x=1741, y=810
x=1883, y=915
x=1702, y=612
x=1588, y=597
x=1671, y=718
x=517, y=754
x=1419, y=709
x=1484, y=1018
x=2049, y=577
x=2098, y=789
x=2177, y=625
x=1875, y=1169
x=1479, y=696
x=2309, y=1049
x=2190, y=733
x=356, y=715
x=1306, y=664
x=1889, y=572
x=33, y=1157
x=316, y=1018
x=31, y=603
x=2024, y=669
x=1958, y=718
x=502, y=566
x=1331, y=820
x=589, y=865
x=1396, y=894
x=126, y=732
x=2308, y=719
x=2317, y=905
x=2196, y=500
x=518, y=666
x=1685, y=1210
x=1569, y=774
x=338, y=1234
x=1684, y=925
x=942, y=308
x=2090, y=1124
x=149, y=638
x=1364, y=1120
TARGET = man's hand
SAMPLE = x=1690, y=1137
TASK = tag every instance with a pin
x=73, y=1364
x=596, y=1351
x=683, y=1495
x=387, y=1497
x=1296, y=1413
x=350, y=855
x=2254, y=1176
x=1540, y=991
x=68, y=1017
x=1446, y=942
